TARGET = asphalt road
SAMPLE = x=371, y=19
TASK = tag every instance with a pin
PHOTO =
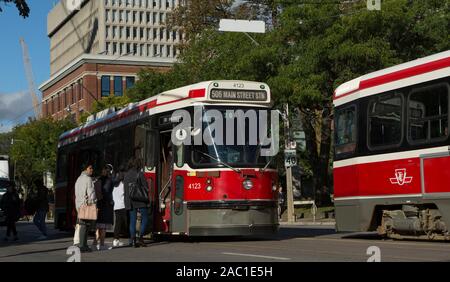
x=294, y=243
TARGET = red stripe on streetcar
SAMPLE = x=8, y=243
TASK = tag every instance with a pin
x=398, y=75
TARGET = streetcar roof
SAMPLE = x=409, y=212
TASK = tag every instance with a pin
x=395, y=77
x=166, y=101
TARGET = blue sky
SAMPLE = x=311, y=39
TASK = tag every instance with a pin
x=14, y=97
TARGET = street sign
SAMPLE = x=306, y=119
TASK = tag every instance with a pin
x=290, y=158
x=242, y=26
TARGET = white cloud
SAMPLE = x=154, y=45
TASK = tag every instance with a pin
x=14, y=108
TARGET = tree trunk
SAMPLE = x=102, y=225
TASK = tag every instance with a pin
x=324, y=158
x=317, y=129
x=309, y=126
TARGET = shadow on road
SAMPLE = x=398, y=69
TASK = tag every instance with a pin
x=34, y=252
x=28, y=233
x=285, y=233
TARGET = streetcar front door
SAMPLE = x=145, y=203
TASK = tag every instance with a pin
x=165, y=172
x=179, y=219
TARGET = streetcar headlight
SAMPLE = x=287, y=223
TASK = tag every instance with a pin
x=209, y=188
x=248, y=184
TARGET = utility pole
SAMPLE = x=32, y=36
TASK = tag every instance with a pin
x=288, y=165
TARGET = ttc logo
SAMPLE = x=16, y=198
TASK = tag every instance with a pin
x=401, y=178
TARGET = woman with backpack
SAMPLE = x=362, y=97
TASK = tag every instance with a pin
x=136, y=200
x=10, y=204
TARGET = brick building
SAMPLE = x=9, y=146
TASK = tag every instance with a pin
x=97, y=50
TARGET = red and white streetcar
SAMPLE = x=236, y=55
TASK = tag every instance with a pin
x=203, y=190
x=392, y=153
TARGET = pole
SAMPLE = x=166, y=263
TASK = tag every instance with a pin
x=15, y=162
x=289, y=188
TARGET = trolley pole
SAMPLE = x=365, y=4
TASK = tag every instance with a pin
x=288, y=165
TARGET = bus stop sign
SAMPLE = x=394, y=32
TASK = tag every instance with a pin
x=290, y=158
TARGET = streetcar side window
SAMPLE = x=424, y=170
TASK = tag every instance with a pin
x=150, y=150
x=61, y=170
x=385, y=121
x=345, y=124
x=139, y=141
x=428, y=113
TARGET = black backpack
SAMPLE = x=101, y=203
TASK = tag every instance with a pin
x=138, y=191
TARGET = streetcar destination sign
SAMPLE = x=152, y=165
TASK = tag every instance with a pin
x=236, y=94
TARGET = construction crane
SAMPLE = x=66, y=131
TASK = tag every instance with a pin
x=30, y=78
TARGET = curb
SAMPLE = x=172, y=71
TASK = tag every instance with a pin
x=308, y=223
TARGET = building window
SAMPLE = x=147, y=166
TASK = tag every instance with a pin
x=130, y=80
x=80, y=88
x=72, y=91
x=428, y=113
x=58, y=103
x=118, y=88
x=64, y=100
x=385, y=121
x=128, y=33
x=106, y=87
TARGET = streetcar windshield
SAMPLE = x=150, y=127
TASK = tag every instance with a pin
x=238, y=145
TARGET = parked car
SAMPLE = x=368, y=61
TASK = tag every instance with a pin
x=2, y=214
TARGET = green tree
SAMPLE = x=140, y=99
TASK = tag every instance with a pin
x=5, y=143
x=35, y=148
x=150, y=83
x=21, y=6
x=198, y=15
x=106, y=103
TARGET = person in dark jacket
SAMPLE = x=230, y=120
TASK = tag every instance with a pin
x=105, y=206
x=133, y=177
x=10, y=204
x=42, y=208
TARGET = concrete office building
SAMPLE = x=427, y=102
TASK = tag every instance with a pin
x=98, y=49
